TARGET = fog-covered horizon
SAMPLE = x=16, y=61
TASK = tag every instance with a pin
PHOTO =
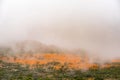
x=90, y=25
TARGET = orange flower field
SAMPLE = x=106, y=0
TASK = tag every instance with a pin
x=73, y=61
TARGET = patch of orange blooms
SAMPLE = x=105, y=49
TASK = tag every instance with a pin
x=72, y=60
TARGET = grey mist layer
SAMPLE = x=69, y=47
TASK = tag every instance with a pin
x=92, y=25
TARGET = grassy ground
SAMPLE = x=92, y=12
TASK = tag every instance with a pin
x=14, y=71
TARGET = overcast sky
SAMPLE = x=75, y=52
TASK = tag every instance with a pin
x=93, y=25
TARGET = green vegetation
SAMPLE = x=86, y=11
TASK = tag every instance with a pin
x=15, y=71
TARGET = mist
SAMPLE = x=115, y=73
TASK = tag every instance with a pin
x=92, y=25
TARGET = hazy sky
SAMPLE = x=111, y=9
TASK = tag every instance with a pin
x=93, y=25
